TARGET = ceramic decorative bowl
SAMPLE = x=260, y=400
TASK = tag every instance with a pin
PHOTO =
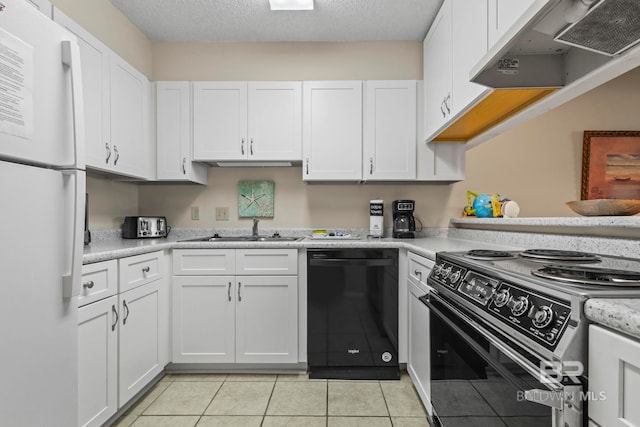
x=605, y=207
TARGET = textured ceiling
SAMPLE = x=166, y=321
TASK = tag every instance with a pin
x=251, y=20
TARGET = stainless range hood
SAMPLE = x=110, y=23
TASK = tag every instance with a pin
x=544, y=61
x=551, y=52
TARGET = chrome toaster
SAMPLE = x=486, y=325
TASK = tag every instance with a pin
x=139, y=227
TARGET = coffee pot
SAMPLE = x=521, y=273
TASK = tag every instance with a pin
x=404, y=223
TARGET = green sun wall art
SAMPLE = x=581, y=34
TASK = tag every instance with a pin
x=255, y=199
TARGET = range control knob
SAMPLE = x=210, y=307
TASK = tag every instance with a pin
x=542, y=317
x=455, y=276
x=519, y=306
x=501, y=297
x=446, y=272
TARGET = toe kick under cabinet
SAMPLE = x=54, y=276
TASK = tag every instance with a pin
x=122, y=332
x=235, y=306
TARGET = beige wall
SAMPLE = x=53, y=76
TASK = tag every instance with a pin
x=287, y=61
x=106, y=23
x=110, y=201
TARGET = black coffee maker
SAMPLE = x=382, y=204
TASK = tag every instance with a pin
x=404, y=224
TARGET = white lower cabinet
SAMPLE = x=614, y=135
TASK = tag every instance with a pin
x=123, y=338
x=418, y=360
x=97, y=362
x=614, y=378
x=267, y=319
x=203, y=319
x=140, y=339
x=227, y=317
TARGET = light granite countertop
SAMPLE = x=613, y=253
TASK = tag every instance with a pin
x=619, y=314
x=103, y=250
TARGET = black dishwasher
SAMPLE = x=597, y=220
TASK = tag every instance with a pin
x=352, y=303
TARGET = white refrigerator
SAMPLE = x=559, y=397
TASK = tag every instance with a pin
x=42, y=193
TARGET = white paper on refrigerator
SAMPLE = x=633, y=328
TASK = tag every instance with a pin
x=16, y=86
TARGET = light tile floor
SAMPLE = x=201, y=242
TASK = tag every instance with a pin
x=243, y=400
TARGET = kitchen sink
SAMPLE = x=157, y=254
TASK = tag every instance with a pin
x=217, y=238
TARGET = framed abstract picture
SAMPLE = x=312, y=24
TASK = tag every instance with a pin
x=610, y=165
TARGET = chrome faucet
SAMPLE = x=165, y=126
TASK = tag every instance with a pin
x=254, y=230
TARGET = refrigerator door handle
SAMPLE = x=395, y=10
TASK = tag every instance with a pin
x=71, y=279
x=71, y=59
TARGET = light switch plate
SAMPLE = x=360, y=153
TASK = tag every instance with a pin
x=222, y=214
x=195, y=213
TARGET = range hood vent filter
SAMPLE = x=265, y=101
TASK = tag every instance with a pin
x=610, y=27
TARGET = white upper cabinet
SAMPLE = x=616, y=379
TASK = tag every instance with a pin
x=332, y=131
x=437, y=56
x=116, y=107
x=173, y=134
x=219, y=120
x=246, y=121
x=502, y=15
x=389, y=146
x=455, y=42
x=469, y=44
x=275, y=121
x=129, y=118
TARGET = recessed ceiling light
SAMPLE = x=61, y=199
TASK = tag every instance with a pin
x=291, y=4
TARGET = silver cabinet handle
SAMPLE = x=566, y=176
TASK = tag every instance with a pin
x=239, y=296
x=447, y=100
x=106, y=160
x=242, y=146
x=115, y=319
x=146, y=269
x=184, y=166
x=370, y=165
x=307, y=163
x=115, y=149
x=251, y=147
x=126, y=316
x=229, y=291
x=444, y=113
x=88, y=285
x=418, y=273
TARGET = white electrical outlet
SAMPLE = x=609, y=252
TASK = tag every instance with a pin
x=222, y=214
x=195, y=213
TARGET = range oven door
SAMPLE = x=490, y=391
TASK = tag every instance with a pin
x=478, y=380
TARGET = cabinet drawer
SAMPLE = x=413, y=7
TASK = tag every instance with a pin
x=266, y=262
x=99, y=281
x=419, y=268
x=204, y=262
x=140, y=269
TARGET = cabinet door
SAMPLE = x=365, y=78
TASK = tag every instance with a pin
x=418, y=361
x=614, y=378
x=275, y=121
x=95, y=60
x=140, y=339
x=97, y=362
x=220, y=121
x=332, y=131
x=203, y=319
x=129, y=118
x=267, y=319
x=469, y=44
x=173, y=134
x=502, y=15
x=389, y=147
x=437, y=71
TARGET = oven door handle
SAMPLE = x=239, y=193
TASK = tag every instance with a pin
x=510, y=353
